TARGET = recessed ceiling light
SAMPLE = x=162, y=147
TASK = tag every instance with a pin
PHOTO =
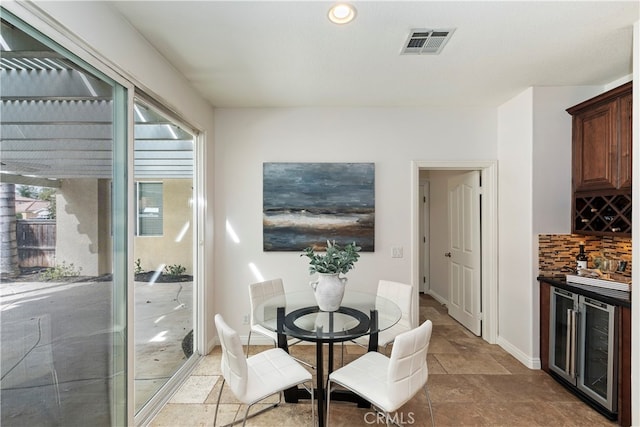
x=341, y=13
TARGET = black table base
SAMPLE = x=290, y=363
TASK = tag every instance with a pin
x=367, y=325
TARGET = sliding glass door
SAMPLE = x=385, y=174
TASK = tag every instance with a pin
x=163, y=250
x=63, y=216
x=98, y=258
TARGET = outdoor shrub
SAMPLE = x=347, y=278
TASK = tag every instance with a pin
x=61, y=271
x=174, y=270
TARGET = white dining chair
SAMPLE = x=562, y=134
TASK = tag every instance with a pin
x=259, y=376
x=402, y=295
x=389, y=382
x=259, y=292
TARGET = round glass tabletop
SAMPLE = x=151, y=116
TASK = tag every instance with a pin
x=359, y=314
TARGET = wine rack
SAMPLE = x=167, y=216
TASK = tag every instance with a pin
x=602, y=214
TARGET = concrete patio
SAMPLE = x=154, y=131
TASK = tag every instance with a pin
x=57, y=340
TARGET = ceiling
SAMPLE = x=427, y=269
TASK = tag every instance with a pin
x=288, y=54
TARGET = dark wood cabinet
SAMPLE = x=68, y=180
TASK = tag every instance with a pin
x=601, y=163
x=595, y=148
x=624, y=366
x=624, y=174
x=623, y=339
x=545, y=308
x=601, y=136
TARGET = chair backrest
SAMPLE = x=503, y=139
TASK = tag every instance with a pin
x=408, y=370
x=262, y=291
x=402, y=295
x=234, y=363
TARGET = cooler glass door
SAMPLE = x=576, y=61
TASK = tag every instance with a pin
x=597, y=358
x=562, y=333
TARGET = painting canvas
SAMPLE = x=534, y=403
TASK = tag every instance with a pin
x=306, y=204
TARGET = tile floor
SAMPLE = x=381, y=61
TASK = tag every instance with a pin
x=471, y=383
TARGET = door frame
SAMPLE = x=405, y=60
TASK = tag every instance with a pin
x=489, y=229
x=424, y=250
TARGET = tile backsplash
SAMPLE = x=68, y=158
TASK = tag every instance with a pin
x=557, y=252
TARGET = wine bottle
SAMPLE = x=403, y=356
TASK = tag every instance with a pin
x=581, y=258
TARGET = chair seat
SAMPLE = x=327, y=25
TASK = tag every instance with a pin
x=271, y=334
x=271, y=370
x=367, y=377
x=264, y=331
x=384, y=337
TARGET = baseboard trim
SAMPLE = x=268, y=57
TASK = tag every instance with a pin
x=437, y=297
x=529, y=362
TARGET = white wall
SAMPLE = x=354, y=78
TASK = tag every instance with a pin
x=534, y=151
x=390, y=137
x=515, y=148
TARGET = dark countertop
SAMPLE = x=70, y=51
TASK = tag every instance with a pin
x=609, y=296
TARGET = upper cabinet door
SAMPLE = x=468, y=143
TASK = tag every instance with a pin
x=602, y=141
x=595, y=148
x=626, y=102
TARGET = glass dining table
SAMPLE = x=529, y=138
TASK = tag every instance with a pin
x=297, y=315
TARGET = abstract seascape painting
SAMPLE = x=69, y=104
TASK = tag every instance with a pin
x=306, y=204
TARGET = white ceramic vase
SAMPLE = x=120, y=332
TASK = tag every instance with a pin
x=329, y=290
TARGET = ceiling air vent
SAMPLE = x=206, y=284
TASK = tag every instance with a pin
x=426, y=42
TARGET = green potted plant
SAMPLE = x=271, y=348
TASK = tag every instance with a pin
x=328, y=288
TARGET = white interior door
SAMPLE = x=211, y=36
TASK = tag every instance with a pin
x=464, y=254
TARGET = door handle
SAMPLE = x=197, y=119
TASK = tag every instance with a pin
x=448, y=254
x=568, y=343
x=574, y=338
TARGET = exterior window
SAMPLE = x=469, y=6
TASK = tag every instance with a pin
x=149, y=209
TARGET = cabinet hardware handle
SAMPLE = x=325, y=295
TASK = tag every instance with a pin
x=448, y=254
x=574, y=341
x=568, y=343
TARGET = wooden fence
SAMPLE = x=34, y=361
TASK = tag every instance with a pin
x=36, y=242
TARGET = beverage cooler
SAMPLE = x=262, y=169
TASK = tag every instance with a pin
x=582, y=346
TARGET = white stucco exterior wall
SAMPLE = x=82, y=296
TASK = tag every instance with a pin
x=77, y=214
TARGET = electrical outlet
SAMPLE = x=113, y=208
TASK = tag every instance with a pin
x=245, y=319
x=396, y=252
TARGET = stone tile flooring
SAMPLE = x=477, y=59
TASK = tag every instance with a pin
x=471, y=383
